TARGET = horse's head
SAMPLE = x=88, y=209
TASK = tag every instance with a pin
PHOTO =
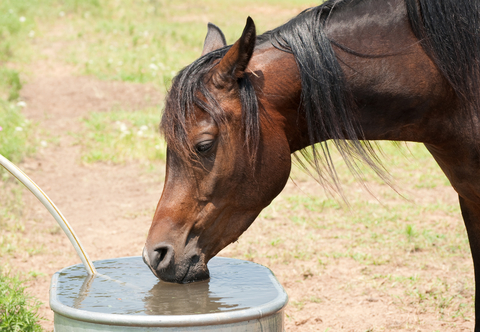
x=220, y=171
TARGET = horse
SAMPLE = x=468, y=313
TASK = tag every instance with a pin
x=347, y=72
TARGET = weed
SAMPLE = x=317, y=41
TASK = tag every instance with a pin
x=276, y=241
x=36, y=274
x=18, y=311
x=298, y=304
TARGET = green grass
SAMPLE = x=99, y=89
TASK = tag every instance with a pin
x=14, y=26
x=131, y=40
x=10, y=84
x=149, y=41
x=21, y=21
x=16, y=139
x=18, y=311
x=121, y=136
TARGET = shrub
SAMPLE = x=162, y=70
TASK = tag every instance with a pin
x=18, y=311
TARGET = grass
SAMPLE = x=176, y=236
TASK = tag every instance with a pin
x=120, y=136
x=149, y=41
x=21, y=21
x=16, y=139
x=10, y=84
x=134, y=41
x=169, y=35
x=18, y=311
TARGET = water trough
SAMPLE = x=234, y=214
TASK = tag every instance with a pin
x=121, y=294
x=240, y=296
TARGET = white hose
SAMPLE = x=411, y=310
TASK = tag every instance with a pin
x=42, y=197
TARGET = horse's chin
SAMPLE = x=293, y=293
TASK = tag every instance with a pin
x=183, y=273
x=194, y=273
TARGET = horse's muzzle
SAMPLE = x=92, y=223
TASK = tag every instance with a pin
x=162, y=262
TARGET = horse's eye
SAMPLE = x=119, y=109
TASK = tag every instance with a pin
x=203, y=147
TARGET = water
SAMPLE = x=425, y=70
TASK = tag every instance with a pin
x=127, y=286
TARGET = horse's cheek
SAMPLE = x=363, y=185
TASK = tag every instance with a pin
x=275, y=170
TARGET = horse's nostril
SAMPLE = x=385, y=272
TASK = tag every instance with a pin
x=195, y=259
x=161, y=257
x=163, y=252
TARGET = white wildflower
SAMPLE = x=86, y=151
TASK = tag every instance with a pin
x=22, y=19
x=18, y=129
x=123, y=127
x=21, y=104
x=153, y=66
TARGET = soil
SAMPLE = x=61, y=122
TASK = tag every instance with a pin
x=110, y=208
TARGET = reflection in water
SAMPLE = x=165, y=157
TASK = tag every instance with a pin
x=174, y=299
x=127, y=286
x=84, y=291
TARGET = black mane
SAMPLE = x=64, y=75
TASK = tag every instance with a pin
x=450, y=34
x=327, y=104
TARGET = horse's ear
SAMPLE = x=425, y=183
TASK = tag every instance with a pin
x=214, y=40
x=234, y=63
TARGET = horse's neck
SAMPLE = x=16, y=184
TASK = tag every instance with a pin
x=277, y=83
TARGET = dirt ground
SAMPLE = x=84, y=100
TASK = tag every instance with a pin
x=110, y=208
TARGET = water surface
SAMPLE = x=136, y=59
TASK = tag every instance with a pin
x=127, y=286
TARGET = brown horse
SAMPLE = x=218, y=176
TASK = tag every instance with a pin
x=347, y=71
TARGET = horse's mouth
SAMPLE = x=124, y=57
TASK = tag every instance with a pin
x=193, y=272
x=192, y=277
